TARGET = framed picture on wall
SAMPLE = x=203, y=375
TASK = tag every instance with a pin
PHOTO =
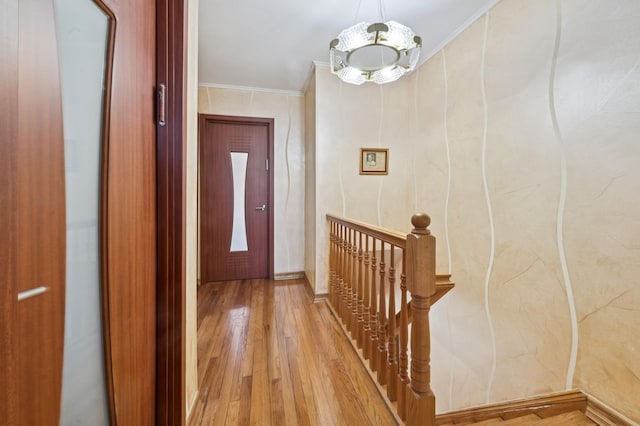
x=374, y=161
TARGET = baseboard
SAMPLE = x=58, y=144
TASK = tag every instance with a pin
x=283, y=276
x=604, y=415
x=311, y=293
x=190, y=407
x=322, y=297
x=543, y=406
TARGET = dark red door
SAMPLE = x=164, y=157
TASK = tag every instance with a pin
x=234, y=197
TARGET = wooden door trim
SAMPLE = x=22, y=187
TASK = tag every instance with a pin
x=257, y=121
x=171, y=207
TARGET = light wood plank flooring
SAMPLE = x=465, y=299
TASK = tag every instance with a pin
x=267, y=355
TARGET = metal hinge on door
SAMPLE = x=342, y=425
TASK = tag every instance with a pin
x=267, y=164
x=161, y=106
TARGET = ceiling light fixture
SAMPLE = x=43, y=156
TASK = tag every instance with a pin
x=379, y=52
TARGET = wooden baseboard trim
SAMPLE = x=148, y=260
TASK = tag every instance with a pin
x=307, y=286
x=322, y=297
x=543, y=406
x=283, y=276
x=603, y=415
x=311, y=293
x=190, y=406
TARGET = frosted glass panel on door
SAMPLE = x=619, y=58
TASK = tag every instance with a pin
x=82, y=39
x=239, y=229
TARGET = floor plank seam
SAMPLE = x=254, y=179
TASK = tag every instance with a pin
x=381, y=390
x=267, y=354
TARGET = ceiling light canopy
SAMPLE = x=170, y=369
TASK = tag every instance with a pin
x=380, y=52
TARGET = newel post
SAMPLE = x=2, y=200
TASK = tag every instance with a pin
x=421, y=282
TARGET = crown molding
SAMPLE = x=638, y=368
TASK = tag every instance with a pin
x=252, y=89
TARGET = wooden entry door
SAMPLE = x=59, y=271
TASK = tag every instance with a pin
x=236, y=198
x=32, y=214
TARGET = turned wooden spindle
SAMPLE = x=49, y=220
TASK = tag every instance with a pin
x=330, y=260
x=382, y=323
x=332, y=263
x=373, y=343
x=349, y=302
x=421, y=283
x=403, y=358
x=354, y=287
x=347, y=279
x=336, y=258
x=392, y=362
x=366, y=314
x=360, y=300
x=351, y=286
x=343, y=275
x=336, y=304
x=345, y=295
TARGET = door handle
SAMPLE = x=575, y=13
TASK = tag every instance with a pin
x=262, y=207
x=27, y=294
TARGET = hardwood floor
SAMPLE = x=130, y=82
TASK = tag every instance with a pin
x=268, y=355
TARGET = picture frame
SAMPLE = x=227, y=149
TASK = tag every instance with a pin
x=374, y=161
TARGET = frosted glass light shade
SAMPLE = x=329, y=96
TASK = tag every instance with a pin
x=380, y=52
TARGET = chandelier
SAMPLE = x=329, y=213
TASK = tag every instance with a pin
x=379, y=52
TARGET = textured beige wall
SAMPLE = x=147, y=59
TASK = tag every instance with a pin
x=520, y=139
x=310, y=179
x=191, y=238
x=349, y=117
x=288, y=113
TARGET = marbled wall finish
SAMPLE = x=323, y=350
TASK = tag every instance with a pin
x=520, y=139
x=288, y=113
x=348, y=118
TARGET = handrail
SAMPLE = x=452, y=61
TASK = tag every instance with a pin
x=387, y=235
x=371, y=270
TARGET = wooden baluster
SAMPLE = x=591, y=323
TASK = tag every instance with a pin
x=338, y=269
x=343, y=269
x=382, y=323
x=336, y=264
x=360, y=305
x=354, y=286
x=421, y=257
x=332, y=263
x=345, y=291
x=366, y=308
x=336, y=258
x=392, y=364
x=348, y=303
x=345, y=274
x=403, y=376
x=373, y=344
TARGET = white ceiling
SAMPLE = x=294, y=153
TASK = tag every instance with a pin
x=272, y=44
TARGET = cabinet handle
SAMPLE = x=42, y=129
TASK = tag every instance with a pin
x=27, y=294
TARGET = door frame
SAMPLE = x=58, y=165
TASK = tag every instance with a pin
x=171, y=212
x=256, y=121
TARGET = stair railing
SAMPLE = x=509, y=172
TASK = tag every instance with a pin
x=364, y=261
